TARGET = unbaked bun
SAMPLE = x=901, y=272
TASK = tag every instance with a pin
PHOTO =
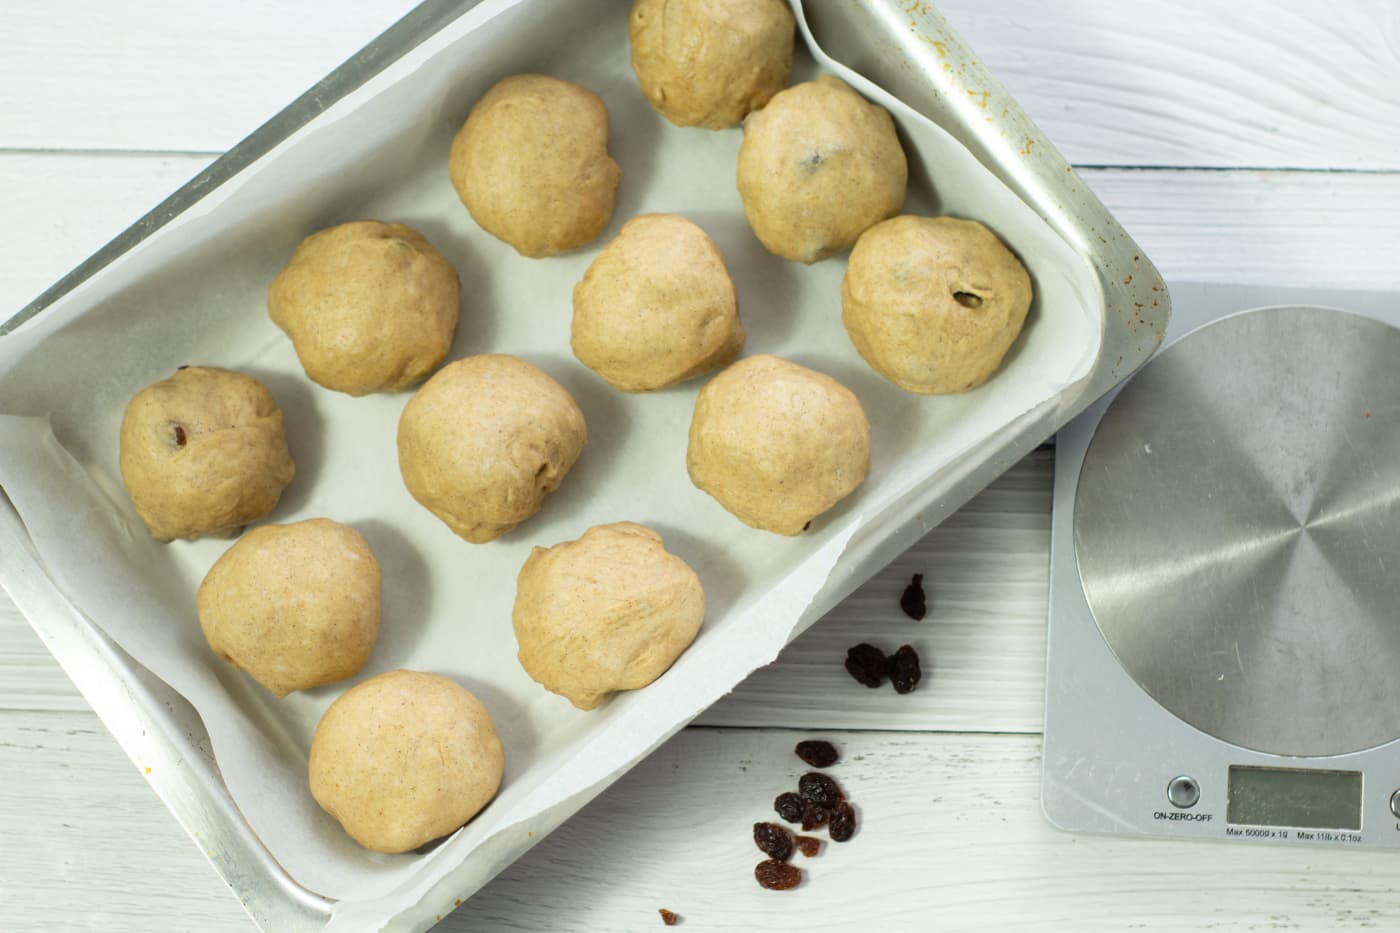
x=611, y=611
x=485, y=440
x=819, y=165
x=405, y=758
x=657, y=306
x=370, y=307
x=934, y=303
x=532, y=166
x=295, y=606
x=203, y=453
x=777, y=444
x=709, y=63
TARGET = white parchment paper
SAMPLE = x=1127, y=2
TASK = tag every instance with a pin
x=195, y=293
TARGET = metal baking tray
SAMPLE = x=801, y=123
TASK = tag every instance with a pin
x=911, y=52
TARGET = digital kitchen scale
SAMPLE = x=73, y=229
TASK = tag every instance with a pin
x=1224, y=641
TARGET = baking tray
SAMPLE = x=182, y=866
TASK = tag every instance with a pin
x=908, y=50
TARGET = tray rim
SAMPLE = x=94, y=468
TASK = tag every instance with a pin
x=153, y=725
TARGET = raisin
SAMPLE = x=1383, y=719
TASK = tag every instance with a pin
x=904, y=669
x=790, y=807
x=178, y=368
x=867, y=664
x=669, y=918
x=817, y=753
x=843, y=822
x=913, y=601
x=180, y=436
x=815, y=816
x=777, y=876
x=773, y=841
x=808, y=845
x=818, y=788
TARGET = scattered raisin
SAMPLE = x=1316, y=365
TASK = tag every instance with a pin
x=817, y=753
x=809, y=522
x=867, y=664
x=180, y=436
x=772, y=840
x=969, y=300
x=777, y=876
x=815, y=816
x=818, y=788
x=669, y=918
x=178, y=368
x=912, y=601
x=790, y=806
x=904, y=669
x=808, y=845
x=843, y=822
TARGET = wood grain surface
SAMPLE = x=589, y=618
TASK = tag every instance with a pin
x=1256, y=141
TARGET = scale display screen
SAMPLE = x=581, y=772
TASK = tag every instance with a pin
x=1292, y=797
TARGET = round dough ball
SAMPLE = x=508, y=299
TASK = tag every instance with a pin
x=405, y=758
x=295, y=606
x=934, y=303
x=485, y=440
x=657, y=306
x=776, y=443
x=819, y=165
x=203, y=453
x=531, y=164
x=370, y=307
x=610, y=611
x=710, y=62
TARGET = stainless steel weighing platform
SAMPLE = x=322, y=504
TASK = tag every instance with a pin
x=1224, y=641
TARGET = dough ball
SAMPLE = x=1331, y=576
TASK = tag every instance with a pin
x=776, y=443
x=934, y=303
x=485, y=440
x=295, y=606
x=710, y=62
x=657, y=306
x=819, y=165
x=405, y=758
x=531, y=164
x=610, y=611
x=370, y=307
x=203, y=453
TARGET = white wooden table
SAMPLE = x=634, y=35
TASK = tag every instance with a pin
x=1256, y=141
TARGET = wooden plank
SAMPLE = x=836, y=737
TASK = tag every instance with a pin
x=1265, y=83
x=64, y=207
x=1159, y=82
x=88, y=846
x=951, y=838
x=194, y=75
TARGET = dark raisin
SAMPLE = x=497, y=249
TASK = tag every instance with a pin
x=180, y=436
x=867, y=664
x=178, y=368
x=819, y=788
x=843, y=822
x=777, y=876
x=668, y=918
x=817, y=753
x=968, y=299
x=912, y=601
x=904, y=669
x=808, y=845
x=790, y=806
x=773, y=841
x=809, y=522
x=815, y=816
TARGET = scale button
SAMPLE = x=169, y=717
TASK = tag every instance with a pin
x=1395, y=803
x=1183, y=792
